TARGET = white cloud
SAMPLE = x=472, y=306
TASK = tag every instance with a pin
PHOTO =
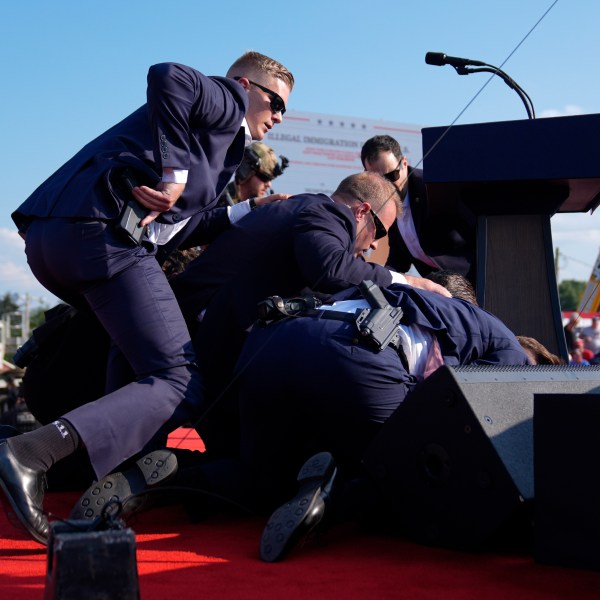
x=568, y=111
x=15, y=275
x=11, y=241
x=577, y=237
x=18, y=279
x=14, y=271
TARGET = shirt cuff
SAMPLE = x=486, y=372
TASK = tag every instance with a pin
x=398, y=278
x=237, y=211
x=176, y=176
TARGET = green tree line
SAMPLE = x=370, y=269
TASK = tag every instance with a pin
x=9, y=303
x=569, y=293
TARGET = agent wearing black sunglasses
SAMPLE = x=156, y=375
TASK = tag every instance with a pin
x=380, y=229
x=277, y=104
x=388, y=161
x=182, y=147
x=370, y=216
x=267, y=103
x=418, y=238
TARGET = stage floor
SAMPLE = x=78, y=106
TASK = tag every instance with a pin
x=218, y=559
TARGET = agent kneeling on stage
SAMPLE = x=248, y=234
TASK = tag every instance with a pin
x=331, y=381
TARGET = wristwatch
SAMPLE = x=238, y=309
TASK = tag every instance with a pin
x=252, y=203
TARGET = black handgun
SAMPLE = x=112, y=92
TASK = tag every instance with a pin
x=133, y=213
x=379, y=323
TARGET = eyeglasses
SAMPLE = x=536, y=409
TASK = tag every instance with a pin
x=277, y=104
x=263, y=177
x=380, y=230
x=394, y=175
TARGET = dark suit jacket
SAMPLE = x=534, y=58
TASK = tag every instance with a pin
x=447, y=238
x=285, y=248
x=190, y=121
x=308, y=382
x=466, y=333
x=282, y=248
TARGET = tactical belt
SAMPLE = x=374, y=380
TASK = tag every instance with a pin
x=376, y=326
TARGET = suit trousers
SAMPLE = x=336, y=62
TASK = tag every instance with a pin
x=84, y=262
x=308, y=385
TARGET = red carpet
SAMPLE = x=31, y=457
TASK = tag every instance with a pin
x=219, y=559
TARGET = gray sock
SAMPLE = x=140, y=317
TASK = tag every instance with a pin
x=41, y=448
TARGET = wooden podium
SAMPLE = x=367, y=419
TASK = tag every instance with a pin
x=512, y=176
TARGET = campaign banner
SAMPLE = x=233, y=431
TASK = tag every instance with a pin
x=324, y=149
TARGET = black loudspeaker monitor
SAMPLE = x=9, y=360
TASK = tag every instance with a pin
x=567, y=482
x=454, y=462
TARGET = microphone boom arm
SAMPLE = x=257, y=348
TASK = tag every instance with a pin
x=461, y=65
x=508, y=80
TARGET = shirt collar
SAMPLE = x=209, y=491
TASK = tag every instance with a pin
x=247, y=134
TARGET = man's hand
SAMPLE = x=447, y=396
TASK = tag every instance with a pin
x=158, y=200
x=425, y=284
x=264, y=200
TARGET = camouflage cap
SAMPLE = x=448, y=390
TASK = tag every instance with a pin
x=261, y=159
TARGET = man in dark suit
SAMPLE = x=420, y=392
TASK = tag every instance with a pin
x=180, y=148
x=310, y=241
x=419, y=237
x=312, y=385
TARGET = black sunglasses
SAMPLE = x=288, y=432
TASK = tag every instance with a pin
x=395, y=174
x=392, y=175
x=263, y=177
x=277, y=104
x=380, y=230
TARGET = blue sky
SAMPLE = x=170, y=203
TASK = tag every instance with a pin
x=73, y=68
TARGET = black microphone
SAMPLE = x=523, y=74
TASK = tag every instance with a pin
x=460, y=64
x=439, y=59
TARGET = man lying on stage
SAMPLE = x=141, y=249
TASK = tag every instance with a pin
x=314, y=383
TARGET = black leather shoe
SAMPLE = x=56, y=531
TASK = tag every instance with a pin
x=292, y=522
x=22, y=490
x=133, y=488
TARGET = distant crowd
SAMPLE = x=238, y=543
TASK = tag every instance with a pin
x=583, y=343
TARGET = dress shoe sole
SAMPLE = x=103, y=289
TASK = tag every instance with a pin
x=127, y=487
x=293, y=521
